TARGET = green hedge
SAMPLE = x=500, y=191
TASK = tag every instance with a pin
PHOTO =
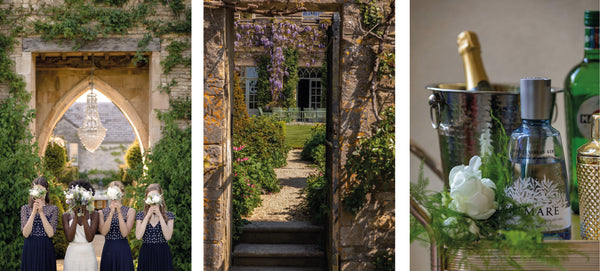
x=19, y=162
x=264, y=137
x=314, y=146
x=169, y=164
x=55, y=159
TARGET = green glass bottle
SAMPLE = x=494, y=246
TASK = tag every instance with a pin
x=582, y=98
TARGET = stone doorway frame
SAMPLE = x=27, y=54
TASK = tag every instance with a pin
x=217, y=184
x=147, y=133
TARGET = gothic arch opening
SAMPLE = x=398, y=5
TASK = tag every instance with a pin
x=65, y=102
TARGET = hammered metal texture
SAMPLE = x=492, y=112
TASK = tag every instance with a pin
x=588, y=178
x=465, y=116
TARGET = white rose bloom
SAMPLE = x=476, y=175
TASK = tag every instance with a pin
x=113, y=193
x=69, y=195
x=156, y=199
x=149, y=201
x=470, y=193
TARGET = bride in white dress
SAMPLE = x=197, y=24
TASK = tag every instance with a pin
x=80, y=232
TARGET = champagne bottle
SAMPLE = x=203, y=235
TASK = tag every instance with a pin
x=537, y=158
x=582, y=97
x=470, y=50
x=588, y=173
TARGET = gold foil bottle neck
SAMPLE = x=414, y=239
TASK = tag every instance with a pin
x=468, y=41
x=591, y=150
x=470, y=50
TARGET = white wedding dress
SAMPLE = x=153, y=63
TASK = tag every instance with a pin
x=80, y=255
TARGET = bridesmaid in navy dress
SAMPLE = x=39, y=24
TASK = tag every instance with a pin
x=155, y=227
x=116, y=222
x=38, y=223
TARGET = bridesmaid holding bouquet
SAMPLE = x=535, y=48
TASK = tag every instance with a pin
x=155, y=227
x=38, y=224
x=116, y=222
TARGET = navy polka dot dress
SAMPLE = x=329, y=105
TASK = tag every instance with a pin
x=116, y=254
x=38, y=251
x=155, y=254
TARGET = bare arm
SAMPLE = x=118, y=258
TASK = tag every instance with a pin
x=125, y=227
x=48, y=227
x=105, y=224
x=69, y=230
x=90, y=229
x=140, y=228
x=27, y=226
x=167, y=227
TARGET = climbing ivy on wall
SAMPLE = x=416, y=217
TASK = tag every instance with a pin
x=19, y=162
x=290, y=78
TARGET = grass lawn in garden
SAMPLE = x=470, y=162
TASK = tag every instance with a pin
x=297, y=134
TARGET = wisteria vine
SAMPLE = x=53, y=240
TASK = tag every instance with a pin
x=274, y=36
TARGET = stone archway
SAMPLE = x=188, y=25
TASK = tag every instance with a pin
x=60, y=107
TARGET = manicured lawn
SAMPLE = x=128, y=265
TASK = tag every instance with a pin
x=297, y=134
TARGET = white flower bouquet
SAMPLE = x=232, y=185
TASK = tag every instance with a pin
x=474, y=216
x=114, y=193
x=37, y=192
x=78, y=196
x=153, y=199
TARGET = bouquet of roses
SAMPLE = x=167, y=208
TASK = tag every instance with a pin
x=78, y=196
x=37, y=193
x=153, y=199
x=114, y=193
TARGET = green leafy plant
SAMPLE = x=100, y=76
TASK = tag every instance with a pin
x=384, y=260
x=175, y=49
x=372, y=163
x=314, y=146
x=290, y=80
x=55, y=158
x=19, y=162
x=263, y=86
x=495, y=237
x=264, y=137
x=371, y=16
x=240, y=113
x=315, y=204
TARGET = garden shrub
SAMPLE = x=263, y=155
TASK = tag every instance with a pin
x=57, y=197
x=133, y=158
x=261, y=174
x=240, y=113
x=316, y=198
x=314, y=146
x=169, y=164
x=264, y=137
x=55, y=158
x=372, y=163
x=245, y=194
x=19, y=162
x=384, y=260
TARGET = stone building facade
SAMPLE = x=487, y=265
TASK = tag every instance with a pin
x=56, y=74
x=352, y=240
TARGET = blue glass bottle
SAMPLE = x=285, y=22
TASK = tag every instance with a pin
x=538, y=160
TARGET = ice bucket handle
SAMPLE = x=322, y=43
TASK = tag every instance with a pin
x=434, y=105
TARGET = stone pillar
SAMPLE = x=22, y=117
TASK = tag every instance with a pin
x=25, y=66
x=217, y=138
x=157, y=100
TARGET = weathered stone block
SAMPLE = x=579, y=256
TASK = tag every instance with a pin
x=214, y=154
x=353, y=266
x=352, y=236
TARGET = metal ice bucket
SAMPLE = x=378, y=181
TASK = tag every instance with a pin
x=464, y=123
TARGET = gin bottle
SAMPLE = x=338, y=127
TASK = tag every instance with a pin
x=537, y=159
x=582, y=97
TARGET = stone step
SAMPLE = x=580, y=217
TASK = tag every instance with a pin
x=297, y=232
x=278, y=255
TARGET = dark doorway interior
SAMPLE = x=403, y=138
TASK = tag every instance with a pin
x=304, y=93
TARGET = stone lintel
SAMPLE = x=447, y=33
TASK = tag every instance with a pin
x=37, y=44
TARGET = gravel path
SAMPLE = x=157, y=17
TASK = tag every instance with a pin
x=285, y=205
